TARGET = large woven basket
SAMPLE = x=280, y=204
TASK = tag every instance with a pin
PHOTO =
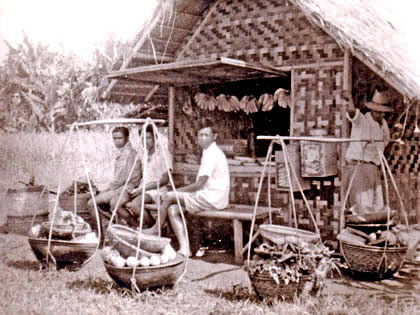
x=26, y=201
x=265, y=287
x=279, y=234
x=373, y=260
x=148, y=277
x=125, y=240
x=67, y=254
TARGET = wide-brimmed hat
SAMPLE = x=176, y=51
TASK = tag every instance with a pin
x=380, y=102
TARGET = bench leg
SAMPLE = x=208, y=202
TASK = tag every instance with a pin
x=238, y=239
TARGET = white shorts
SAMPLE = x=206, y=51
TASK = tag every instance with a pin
x=194, y=202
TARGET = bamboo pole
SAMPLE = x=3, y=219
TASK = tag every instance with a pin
x=198, y=30
x=145, y=33
x=347, y=86
x=171, y=121
x=119, y=121
x=315, y=139
x=151, y=93
x=292, y=102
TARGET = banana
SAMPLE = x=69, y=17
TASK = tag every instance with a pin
x=244, y=103
x=221, y=100
x=252, y=105
x=187, y=107
x=212, y=103
x=235, y=103
x=281, y=97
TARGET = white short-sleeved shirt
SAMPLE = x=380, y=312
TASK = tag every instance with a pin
x=214, y=165
x=156, y=166
x=366, y=128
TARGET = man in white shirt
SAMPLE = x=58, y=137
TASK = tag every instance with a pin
x=210, y=191
x=363, y=157
x=155, y=176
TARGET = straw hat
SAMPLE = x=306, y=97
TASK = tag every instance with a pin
x=379, y=102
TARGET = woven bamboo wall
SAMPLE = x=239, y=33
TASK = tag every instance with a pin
x=277, y=34
x=227, y=126
x=317, y=101
x=272, y=32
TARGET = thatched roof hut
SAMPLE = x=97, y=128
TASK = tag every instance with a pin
x=313, y=48
x=382, y=34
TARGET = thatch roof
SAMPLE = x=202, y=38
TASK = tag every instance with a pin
x=163, y=34
x=379, y=33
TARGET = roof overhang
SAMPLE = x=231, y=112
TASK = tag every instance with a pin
x=196, y=72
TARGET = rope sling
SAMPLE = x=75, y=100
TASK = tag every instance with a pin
x=159, y=145
x=290, y=169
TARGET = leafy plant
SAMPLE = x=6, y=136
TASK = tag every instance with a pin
x=293, y=260
x=55, y=89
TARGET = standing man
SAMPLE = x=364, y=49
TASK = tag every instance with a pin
x=210, y=191
x=124, y=159
x=366, y=189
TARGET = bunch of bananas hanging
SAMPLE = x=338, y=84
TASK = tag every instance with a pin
x=206, y=102
x=266, y=102
x=282, y=97
x=249, y=104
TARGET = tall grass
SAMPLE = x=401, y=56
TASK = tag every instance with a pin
x=48, y=156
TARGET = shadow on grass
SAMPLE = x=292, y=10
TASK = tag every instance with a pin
x=215, y=274
x=402, y=286
x=98, y=285
x=24, y=264
x=106, y=287
x=235, y=294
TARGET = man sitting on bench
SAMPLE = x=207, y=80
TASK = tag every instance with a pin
x=159, y=161
x=210, y=191
x=125, y=158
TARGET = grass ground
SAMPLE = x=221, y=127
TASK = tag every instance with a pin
x=212, y=285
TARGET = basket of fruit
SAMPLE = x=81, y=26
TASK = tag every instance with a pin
x=64, y=254
x=160, y=269
x=378, y=253
x=126, y=240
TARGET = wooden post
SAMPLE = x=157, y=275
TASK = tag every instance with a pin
x=238, y=239
x=171, y=121
x=347, y=86
x=292, y=101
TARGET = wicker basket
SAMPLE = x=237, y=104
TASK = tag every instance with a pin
x=373, y=260
x=125, y=240
x=148, y=277
x=280, y=234
x=265, y=287
x=68, y=254
x=26, y=201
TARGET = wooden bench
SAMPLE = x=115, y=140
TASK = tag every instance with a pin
x=237, y=214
